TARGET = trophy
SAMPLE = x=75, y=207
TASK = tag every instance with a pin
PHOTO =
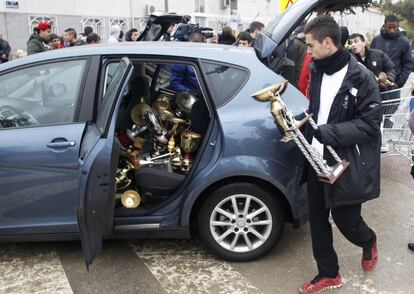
x=289, y=128
x=172, y=126
x=189, y=143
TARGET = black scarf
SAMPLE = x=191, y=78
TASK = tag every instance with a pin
x=333, y=63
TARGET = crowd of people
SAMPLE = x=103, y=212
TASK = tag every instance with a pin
x=43, y=39
x=342, y=77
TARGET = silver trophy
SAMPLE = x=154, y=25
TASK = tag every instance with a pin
x=289, y=127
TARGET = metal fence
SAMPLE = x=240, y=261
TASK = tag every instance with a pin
x=397, y=137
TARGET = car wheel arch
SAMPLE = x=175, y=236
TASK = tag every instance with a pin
x=282, y=199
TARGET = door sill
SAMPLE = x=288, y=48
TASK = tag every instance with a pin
x=137, y=227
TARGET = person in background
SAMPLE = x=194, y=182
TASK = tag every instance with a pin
x=71, y=39
x=375, y=60
x=121, y=36
x=55, y=42
x=93, y=39
x=39, y=40
x=86, y=31
x=132, y=35
x=115, y=32
x=255, y=27
x=167, y=35
x=245, y=39
x=226, y=37
x=4, y=50
x=397, y=47
x=183, y=78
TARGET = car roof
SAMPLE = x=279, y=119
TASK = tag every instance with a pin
x=221, y=53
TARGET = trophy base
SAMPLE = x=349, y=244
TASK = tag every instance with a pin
x=335, y=173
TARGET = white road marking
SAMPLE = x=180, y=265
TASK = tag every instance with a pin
x=30, y=268
x=182, y=267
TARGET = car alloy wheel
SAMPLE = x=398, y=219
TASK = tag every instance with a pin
x=241, y=223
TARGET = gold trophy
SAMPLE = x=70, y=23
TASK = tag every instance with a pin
x=174, y=122
x=289, y=127
x=130, y=199
x=189, y=144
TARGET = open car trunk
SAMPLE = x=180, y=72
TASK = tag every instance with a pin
x=283, y=25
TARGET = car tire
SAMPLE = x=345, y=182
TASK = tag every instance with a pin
x=218, y=228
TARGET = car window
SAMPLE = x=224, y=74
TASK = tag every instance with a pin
x=110, y=96
x=40, y=95
x=224, y=81
x=109, y=73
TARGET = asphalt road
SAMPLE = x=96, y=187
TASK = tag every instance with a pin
x=170, y=266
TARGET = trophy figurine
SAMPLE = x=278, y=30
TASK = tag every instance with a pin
x=173, y=124
x=289, y=128
x=189, y=143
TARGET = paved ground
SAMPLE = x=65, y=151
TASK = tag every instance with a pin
x=184, y=267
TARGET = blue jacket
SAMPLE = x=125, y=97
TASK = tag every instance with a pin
x=183, y=79
x=398, y=50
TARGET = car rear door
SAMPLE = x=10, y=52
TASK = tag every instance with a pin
x=98, y=164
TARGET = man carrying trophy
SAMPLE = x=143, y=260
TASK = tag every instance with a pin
x=345, y=103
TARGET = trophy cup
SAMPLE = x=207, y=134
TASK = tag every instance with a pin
x=289, y=127
x=189, y=143
x=172, y=126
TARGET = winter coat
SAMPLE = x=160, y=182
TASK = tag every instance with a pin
x=183, y=79
x=36, y=44
x=226, y=39
x=353, y=130
x=377, y=61
x=4, y=50
x=297, y=52
x=399, y=51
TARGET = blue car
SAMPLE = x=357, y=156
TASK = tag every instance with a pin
x=96, y=142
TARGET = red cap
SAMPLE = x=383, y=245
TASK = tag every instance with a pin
x=43, y=26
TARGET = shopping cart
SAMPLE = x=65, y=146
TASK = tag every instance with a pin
x=397, y=138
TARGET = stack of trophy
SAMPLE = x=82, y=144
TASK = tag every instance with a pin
x=160, y=137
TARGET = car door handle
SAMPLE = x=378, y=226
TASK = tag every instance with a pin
x=64, y=144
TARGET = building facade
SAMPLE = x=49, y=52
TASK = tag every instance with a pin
x=19, y=17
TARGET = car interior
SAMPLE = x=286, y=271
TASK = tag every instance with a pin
x=161, y=124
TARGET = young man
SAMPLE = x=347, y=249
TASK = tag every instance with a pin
x=71, y=39
x=245, y=39
x=375, y=60
x=255, y=27
x=397, y=47
x=39, y=41
x=345, y=102
x=55, y=41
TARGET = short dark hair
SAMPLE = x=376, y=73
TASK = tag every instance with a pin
x=322, y=27
x=87, y=30
x=92, y=37
x=53, y=36
x=71, y=31
x=391, y=18
x=245, y=36
x=357, y=35
x=256, y=25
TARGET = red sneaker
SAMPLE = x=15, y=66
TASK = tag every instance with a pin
x=370, y=257
x=319, y=284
